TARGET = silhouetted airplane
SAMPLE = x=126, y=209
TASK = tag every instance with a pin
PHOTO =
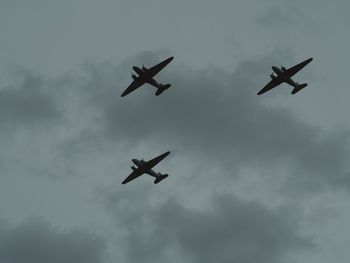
x=146, y=167
x=284, y=75
x=145, y=75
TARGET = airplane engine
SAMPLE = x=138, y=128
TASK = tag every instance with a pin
x=272, y=76
x=133, y=168
x=134, y=76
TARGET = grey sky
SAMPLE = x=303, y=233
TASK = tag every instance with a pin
x=37, y=241
x=252, y=178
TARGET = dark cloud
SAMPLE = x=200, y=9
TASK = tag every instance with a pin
x=37, y=242
x=27, y=103
x=222, y=136
x=217, y=120
x=29, y=117
x=228, y=230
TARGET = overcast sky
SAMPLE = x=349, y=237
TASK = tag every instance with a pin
x=251, y=178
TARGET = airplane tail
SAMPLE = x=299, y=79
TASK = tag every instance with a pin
x=298, y=88
x=160, y=178
x=162, y=88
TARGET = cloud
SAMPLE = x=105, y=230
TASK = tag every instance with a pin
x=275, y=17
x=35, y=241
x=27, y=102
x=214, y=120
x=283, y=16
x=228, y=230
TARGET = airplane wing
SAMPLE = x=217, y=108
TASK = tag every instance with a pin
x=151, y=163
x=135, y=174
x=294, y=70
x=272, y=84
x=133, y=86
x=155, y=69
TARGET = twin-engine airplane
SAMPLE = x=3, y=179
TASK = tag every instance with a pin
x=284, y=75
x=145, y=75
x=143, y=167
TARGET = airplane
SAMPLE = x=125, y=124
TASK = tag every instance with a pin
x=285, y=75
x=145, y=75
x=143, y=167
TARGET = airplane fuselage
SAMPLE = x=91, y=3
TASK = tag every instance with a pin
x=277, y=70
x=140, y=163
x=139, y=71
x=144, y=75
x=280, y=73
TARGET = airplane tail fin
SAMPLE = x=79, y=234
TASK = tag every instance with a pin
x=160, y=178
x=298, y=88
x=162, y=88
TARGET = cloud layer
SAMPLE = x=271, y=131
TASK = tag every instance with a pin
x=229, y=230
x=35, y=241
x=215, y=125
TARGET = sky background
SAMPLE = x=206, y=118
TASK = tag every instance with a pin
x=251, y=178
